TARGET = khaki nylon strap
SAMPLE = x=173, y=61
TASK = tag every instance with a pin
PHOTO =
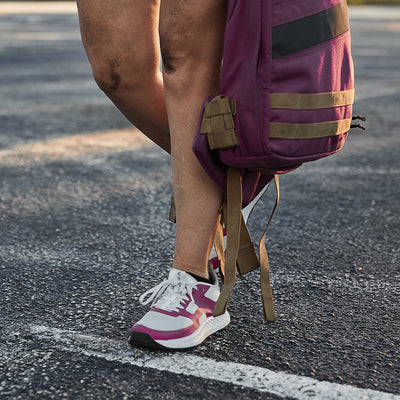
x=231, y=214
x=265, y=281
x=219, y=105
x=311, y=101
x=247, y=259
x=222, y=139
x=280, y=130
x=218, y=123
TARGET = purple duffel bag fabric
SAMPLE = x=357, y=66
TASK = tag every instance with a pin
x=287, y=64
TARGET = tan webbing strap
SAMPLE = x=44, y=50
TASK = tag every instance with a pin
x=220, y=250
x=281, y=130
x=231, y=215
x=265, y=281
x=247, y=259
x=311, y=101
x=218, y=123
x=220, y=105
x=222, y=139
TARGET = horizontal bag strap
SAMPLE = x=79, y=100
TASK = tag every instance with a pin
x=309, y=31
x=281, y=130
x=311, y=101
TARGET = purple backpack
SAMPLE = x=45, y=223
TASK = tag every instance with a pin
x=287, y=89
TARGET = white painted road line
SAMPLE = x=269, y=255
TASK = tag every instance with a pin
x=261, y=379
x=38, y=7
x=69, y=147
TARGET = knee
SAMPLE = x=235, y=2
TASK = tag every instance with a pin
x=174, y=56
x=186, y=62
x=181, y=68
x=191, y=37
x=115, y=77
x=107, y=76
x=177, y=47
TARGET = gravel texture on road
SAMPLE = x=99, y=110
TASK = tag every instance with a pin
x=84, y=230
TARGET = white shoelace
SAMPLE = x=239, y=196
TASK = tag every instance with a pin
x=168, y=295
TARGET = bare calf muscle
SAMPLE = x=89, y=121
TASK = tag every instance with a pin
x=192, y=59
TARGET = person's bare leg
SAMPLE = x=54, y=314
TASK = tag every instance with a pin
x=121, y=40
x=191, y=34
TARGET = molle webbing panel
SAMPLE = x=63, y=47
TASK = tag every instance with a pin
x=309, y=31
x=218, y=123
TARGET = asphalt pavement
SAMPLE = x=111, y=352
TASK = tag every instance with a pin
x=84, y=230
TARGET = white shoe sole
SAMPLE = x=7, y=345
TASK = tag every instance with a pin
x=207, y=328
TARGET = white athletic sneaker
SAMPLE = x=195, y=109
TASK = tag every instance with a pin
x=181, y=313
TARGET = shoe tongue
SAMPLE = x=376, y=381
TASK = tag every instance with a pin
x=176, y=275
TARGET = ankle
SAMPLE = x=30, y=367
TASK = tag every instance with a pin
x=200, y=272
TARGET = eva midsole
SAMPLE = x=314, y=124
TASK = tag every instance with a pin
x=207, y=328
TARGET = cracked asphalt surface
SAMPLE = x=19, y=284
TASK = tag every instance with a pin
x=84, y=230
